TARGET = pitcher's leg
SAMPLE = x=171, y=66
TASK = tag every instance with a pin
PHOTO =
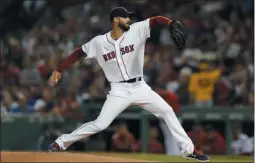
x=171, y=145
x=152, y=102
x=113, y=106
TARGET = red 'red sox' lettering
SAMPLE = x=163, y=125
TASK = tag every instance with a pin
x=124, y=50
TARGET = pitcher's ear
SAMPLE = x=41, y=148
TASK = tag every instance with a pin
x=116, y=19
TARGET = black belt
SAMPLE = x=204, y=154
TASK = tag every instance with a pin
x=132, y=80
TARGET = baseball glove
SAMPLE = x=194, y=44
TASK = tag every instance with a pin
x=177, y=34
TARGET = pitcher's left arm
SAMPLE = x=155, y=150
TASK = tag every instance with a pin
x=177, y=33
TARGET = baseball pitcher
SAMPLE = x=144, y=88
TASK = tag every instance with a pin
x=120, y=53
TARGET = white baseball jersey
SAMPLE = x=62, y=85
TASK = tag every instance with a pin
x=121, y=59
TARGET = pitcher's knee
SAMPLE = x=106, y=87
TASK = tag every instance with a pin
x=100, y=126
x=166, y=112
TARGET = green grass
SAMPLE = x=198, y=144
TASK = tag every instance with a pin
x=165, y=158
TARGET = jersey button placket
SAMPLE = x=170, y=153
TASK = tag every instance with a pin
x=119, y=60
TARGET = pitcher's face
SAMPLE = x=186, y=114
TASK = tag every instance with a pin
x=124, y=23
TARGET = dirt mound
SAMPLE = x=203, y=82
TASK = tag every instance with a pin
x=59, y=157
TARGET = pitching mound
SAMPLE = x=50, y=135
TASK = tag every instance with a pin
x=59, y=157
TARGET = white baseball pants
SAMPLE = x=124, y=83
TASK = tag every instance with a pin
x=119, y=98
x=171, y=146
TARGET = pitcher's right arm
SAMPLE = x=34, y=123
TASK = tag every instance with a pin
x=88, y=50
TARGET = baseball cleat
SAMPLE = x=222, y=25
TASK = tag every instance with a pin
x=198, y=156
x=54, y=147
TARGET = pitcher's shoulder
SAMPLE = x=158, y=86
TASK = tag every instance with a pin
x=138, y=23
x=98, y=38
x=135, y=25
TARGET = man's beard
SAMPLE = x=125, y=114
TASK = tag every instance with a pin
x=124, y=27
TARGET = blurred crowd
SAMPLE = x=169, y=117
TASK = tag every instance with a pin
x=205, y=138
x=208, y=140
x=215, y=68
x=124, y=141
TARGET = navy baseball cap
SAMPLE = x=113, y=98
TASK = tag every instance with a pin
x=120, y=12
